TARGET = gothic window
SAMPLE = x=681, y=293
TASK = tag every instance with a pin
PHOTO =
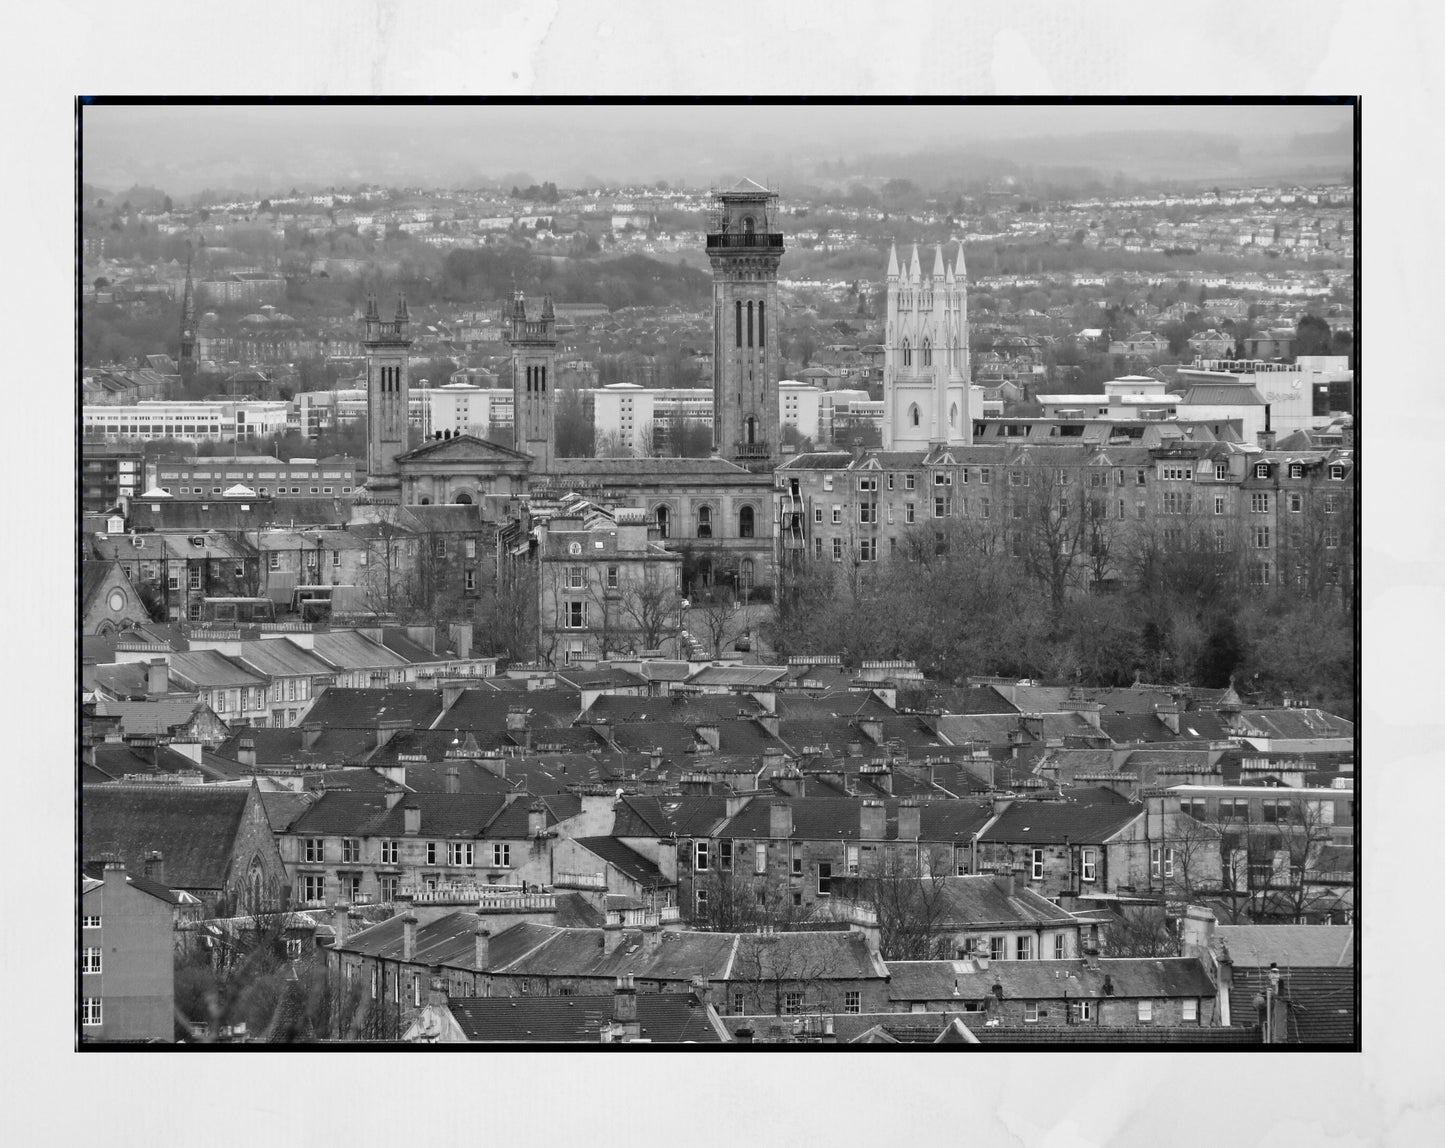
x=745, y=522
x=542, y=379
x=662, y=521
x=751, y=424
x=704, y=522
x=913, y=414
x=750, y=323
x=738, y=326
x=927, y=352
x=907, y=353
x=953, y=416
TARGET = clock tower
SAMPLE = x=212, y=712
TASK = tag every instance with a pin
x=534, y=382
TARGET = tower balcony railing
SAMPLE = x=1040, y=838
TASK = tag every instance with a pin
x=752, y=450
x=763, y=239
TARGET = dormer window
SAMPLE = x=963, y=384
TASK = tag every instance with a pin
x=1261, y=470
x=1337, y=472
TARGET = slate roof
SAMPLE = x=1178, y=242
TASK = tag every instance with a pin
x=1322, y=1001
x=207, y=669
x=193, y=826
x=839, y=819
x=352, y=651
x=283, y=807
x=1052, y=822
x=443, y=815
x=1128, y=978
x=1289, y=946
x=1116, y=1035
x=149, y=718
x=354, y=708
x=977, y=900
x=116, y=759
x=640, y=816
x=954, y=699
x=853, y=1028
x=1297, y=724
x=664, y=1018
x=279, y=659
x=93, y=877
x=485, y=709
x=692, y=710
x=629, y=863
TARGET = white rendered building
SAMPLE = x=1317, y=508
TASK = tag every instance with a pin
x=205, y=420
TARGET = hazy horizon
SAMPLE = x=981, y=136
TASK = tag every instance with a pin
x=183, y=148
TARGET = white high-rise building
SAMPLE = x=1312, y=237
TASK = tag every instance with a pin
x=925, y=364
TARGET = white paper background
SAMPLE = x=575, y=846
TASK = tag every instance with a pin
x=1389, y=52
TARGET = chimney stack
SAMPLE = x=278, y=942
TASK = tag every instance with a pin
x=338, y=925
x=394, y=794
x=454, y=779
x=436, y=996
x=1091, y=959
x=624, y=1007
x=310, y=731
x=780, y=819
x=408, y=937
x=611, y=934
x=516, y=718
x=1196, y=933
x=537, y=819
x=158, y=676
x=411, y=819
x=484, y=948
x=246, y=753
x=910, y=821
x=872, y=820
x=155, y=867
x=1004, y=879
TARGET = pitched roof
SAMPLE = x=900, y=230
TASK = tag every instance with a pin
x=664, y=1018
x=453, y=815
x=149, y=718
x=365, y=707
x=193, y=827
x=1118, y=977
x=207, y=669
x=1322, y=1003
x=1289, y=946
x=628, y=862
x=1054, y=822
x=840, y=819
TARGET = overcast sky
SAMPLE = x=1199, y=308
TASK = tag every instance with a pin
x=193, y=145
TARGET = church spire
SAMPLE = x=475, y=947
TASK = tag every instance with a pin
x=402, y=315
x=915, y=269
x=188, y=299
x=371, y=311
x=962, y=271
x=547, y=311
x=938, y=261
x=893, y=261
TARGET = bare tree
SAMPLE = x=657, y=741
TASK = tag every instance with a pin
x=720, y=616
x=1141, y=931
x=653, y=607
x=785, y=973
x=909, y=893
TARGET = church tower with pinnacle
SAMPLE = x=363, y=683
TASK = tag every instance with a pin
x=188, y=359
x=925, y=363
x=744, y=245
x=534, y=382
x=387, y=345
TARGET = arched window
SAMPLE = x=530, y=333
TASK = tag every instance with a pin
x=913, y=414
x=662, y=521
x=745, y=574
x=463, y=499
x=762, y=335
x=542, y=379
x=750, y=322
x=748, y=225
x=704, y=522
x=927, y=352
x=738, y=326
x=953, y=416
x=425, y=501
x=907, y=353
x=745, y=522
x=750, y=424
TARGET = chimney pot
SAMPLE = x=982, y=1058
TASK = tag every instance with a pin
x=408, y=937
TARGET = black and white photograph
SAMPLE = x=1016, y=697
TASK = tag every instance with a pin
x=561, y=573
